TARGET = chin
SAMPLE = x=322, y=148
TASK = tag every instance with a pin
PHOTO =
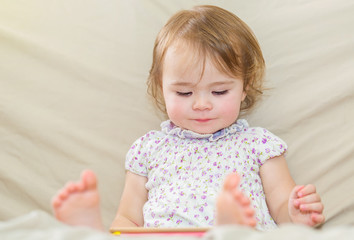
x=205, y=131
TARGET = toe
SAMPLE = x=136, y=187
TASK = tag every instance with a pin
x=231, y=181
x=69, y=187
x=56, y=202
x=63, y=194
x=249, y=212
x=89, y=179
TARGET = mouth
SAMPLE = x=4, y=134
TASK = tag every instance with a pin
x=203, y=120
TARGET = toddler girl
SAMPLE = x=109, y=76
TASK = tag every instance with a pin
x=205, y=166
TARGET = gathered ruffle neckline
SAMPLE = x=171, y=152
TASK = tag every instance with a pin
x=168, y=127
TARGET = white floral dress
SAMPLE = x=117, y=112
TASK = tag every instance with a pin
x=185, y=171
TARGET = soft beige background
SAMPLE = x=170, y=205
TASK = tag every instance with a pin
x=73, y=94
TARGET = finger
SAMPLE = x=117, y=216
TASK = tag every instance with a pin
x=312, y=207
x=294, y=192
x=317, y=218
x=308, y=189
x=312, y=198
x=293, y=196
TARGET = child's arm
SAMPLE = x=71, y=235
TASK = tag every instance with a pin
x=287, y=202
x=130, y=211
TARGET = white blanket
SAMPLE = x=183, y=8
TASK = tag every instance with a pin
x=39, y=225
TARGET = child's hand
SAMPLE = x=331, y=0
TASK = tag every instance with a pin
x=305, y=206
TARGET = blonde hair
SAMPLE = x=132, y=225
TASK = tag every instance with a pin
x=218, y=34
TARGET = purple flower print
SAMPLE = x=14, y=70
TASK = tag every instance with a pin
x=264, y=140
x=201, y=209
x=179, y=221
x=206, y=218
x=203, y=197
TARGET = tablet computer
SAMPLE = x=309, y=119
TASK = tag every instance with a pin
x=194, y=231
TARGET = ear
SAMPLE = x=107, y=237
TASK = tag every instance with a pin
x=244, y=93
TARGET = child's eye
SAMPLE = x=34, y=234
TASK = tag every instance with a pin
x=220, y=92
x=184, y=94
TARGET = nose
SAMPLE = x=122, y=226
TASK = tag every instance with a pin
x=202, y=102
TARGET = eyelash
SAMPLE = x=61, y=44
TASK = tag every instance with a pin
x=186, y=94
x=220, y=92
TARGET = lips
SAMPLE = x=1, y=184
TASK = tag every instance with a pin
x=203, y=120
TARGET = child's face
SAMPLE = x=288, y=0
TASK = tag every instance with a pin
x=202, y=104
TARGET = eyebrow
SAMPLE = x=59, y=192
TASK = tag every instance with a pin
x=177, y=83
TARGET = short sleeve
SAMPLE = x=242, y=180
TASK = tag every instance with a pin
x=265, y=145
x=136, y=158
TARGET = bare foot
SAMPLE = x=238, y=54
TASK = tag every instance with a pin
x=232, y=206
x=78, y=203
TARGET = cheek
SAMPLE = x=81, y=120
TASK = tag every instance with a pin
x=230, y=109
x=174, y=107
